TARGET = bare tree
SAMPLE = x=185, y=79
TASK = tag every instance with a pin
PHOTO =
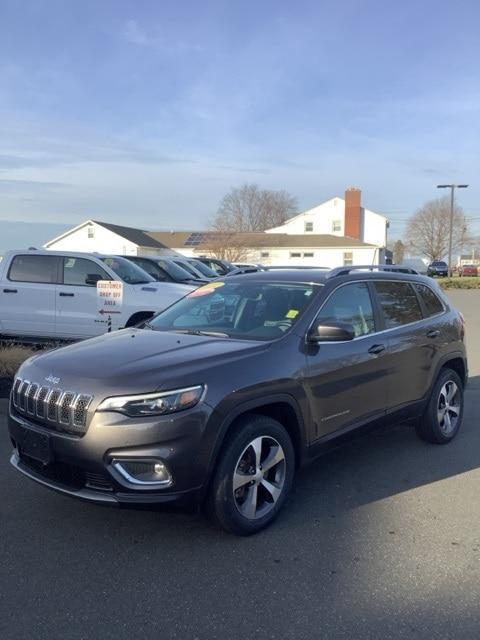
x=398, y=250
x=428, y=229
x=249, y=208
x=227, y=246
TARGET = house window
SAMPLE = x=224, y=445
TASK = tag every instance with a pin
x=308, y=255
x=295, y=254
x=308, y=227
x=347, y=258
x=90, y=232
x=264, y=254
x=336, y=226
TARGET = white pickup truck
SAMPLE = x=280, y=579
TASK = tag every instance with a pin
x=58, y=294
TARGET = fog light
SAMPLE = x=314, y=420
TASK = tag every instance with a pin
x=144, y=472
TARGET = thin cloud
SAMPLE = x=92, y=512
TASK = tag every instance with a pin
x=137, y=35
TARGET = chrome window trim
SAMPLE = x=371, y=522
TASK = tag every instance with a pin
x=373, y=333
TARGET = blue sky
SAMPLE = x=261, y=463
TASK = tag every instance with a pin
x=147, y=112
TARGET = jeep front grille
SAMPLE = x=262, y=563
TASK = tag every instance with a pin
x=52, y=407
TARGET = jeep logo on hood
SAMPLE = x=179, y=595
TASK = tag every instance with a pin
x=52, y=379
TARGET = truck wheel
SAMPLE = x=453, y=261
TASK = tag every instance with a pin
x=253, y=476
x=444, y=413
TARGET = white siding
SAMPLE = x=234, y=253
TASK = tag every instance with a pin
x=323, y=219
x=374, y=228
x=322, y=257
x=103, y=241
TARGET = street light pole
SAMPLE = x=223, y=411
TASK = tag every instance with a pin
x=452, y=188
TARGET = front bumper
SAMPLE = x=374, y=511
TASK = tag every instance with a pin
x=83, y=466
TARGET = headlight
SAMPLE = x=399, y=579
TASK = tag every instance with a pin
x=154, y=404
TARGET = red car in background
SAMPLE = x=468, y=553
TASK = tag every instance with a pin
x=468, y=270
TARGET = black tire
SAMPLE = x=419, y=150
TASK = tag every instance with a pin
x=429, y=427
x=223, y=506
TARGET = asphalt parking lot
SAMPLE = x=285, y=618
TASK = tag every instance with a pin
x=381, y=539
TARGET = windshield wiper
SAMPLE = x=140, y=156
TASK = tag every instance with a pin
x=198, y=332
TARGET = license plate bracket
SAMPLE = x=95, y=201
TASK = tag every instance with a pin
x=35, y=445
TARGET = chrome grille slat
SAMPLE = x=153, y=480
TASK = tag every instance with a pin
x=64, y=407
x=79, y=411
x=52, y=404
x=31, y=396
x=55, y=408
x=15, y=388
x=40, y=402
x=22, y=391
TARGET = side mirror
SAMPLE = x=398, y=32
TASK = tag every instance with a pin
x=331, y=332
x=92, y=279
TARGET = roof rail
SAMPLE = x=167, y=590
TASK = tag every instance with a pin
x=273, y=267
x=392, y=268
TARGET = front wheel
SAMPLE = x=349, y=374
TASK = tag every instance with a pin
x=444, y=413
x=253, y=477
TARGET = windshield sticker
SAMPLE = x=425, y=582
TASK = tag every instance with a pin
x=292, y=313
x=206, y=290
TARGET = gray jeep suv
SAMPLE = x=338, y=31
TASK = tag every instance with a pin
x=221, y=397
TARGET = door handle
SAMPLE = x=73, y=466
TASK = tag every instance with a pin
x=433, y=333
x=64, y=294
x=376, y=349
x=10, y=291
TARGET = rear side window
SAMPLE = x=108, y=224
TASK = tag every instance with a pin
x=399, y=303
x=432, y=302
x=34, y=269
x=350, y=303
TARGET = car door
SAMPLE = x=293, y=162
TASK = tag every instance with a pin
x=77, y=303
x=28, y=296
x=347, y=381
x=413, y=339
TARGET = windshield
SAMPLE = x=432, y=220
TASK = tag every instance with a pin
x=203, y=268
x=127, y=271
x=255, y=311
x=174, y=270
x=439, y=263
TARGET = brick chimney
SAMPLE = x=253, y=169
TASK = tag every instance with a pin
x=353, y=213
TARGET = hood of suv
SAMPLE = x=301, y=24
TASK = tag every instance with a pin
x=136, y=361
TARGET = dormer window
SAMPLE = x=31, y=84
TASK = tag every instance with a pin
x=308, y=227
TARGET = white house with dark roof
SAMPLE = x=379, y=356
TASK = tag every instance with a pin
x=103, y=237
x=337, y=232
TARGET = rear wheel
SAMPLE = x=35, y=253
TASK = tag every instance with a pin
x=253, y=477
x=443, y=416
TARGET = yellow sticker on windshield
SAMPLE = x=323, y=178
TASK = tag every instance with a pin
x=206, y=289
x=292, y=313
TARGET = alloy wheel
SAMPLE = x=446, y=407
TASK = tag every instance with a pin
x=259, y=477
x=448, y=407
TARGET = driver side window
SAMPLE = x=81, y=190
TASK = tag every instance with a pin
x=352, y=304
x=76, y=271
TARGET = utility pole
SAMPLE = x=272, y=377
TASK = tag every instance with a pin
x=452, y=188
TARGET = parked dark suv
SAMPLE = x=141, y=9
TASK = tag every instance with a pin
x=221, y=397
x=437, y=268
